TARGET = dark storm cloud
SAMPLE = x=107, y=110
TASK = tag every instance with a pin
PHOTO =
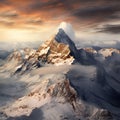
x=49, y=5
x=98, y=13
x=45, y=5
x=87, y=12
x=115, y=29
x=3, y=1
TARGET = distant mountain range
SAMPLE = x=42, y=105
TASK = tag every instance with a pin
x=64, y=82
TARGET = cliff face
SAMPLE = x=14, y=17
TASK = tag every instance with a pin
x=58, y=50
x=52, y=97
x=62, y=37
x=55, y=53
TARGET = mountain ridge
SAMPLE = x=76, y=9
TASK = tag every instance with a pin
x=83, y=83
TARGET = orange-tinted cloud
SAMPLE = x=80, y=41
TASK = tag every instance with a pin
x=82, y=13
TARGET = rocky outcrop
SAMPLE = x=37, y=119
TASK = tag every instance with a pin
x=54, y=97
x=106, y=52
x=59, y=50
x=16, y=60
x=55, y=87
x=50, y=52
x=90, y=50
x=55, y=53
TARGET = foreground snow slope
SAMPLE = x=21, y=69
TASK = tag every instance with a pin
x=50, y=96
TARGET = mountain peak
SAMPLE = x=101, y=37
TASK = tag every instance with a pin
x=68, y=29
x=62, y=37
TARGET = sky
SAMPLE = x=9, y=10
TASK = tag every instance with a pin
x=94, y=21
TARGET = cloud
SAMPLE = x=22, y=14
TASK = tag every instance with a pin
x=98, y=39
x=83, y=10
x=8, y=46
x=4, y=54
x=51, y=5
x=9, y=14
x=114, y=29
x=117, y=45
x=3, y=1
x=97, y=13
x=7, y=23
x=36, y=14
x=34, y=21
x=98, y=86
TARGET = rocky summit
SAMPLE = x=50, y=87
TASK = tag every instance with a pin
x=58, y=50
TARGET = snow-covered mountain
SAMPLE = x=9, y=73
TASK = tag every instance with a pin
x=108, y=51
x=51, y=96
x=60, y=49
x=58, y=82
x=50, y=52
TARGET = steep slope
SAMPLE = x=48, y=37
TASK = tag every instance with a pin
x=16, y=60
x=55, y=53
x=58, y=50
x=56, y=93
x=81, y=56
x=53, y=87
x=102, y=89
x=62, y=37
x=52, y=97
x=50, y=52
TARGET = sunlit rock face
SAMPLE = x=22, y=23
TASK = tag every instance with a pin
x=55, y=53
x=20, y=55
x=90, y=50
x=106, y=52
x=17, y=59
x=58, y=50
x=62, y=37
x=52, y=51
x=54, y=87
x=53, y=96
